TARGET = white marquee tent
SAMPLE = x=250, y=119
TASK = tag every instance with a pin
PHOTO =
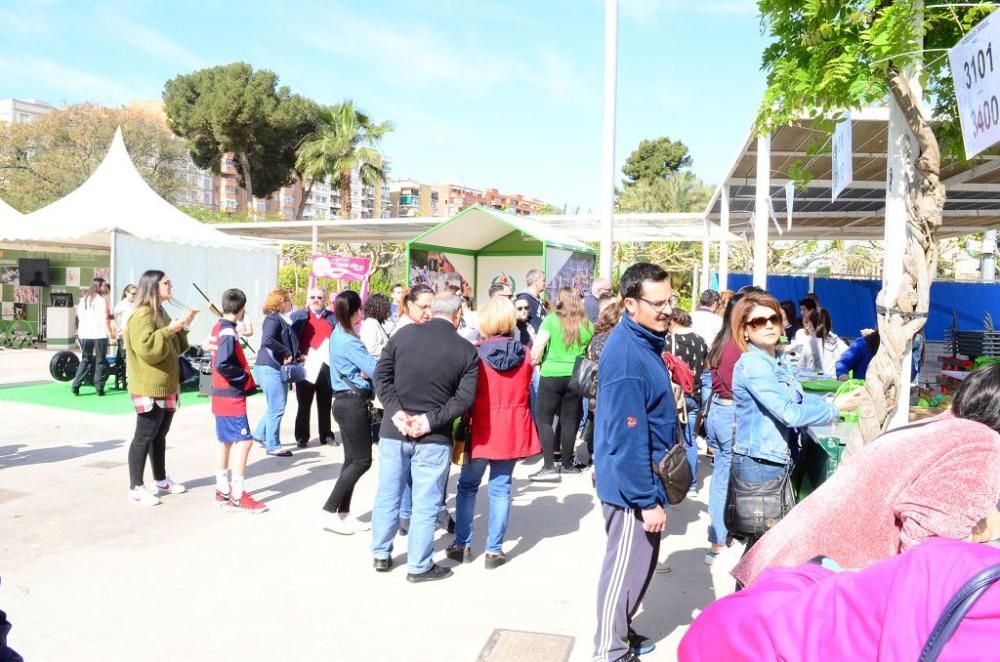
x=115, y=210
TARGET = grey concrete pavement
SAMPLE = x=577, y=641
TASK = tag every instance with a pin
x=89, y=576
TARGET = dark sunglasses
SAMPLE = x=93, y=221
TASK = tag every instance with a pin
x=759, y=322
x=522, y=308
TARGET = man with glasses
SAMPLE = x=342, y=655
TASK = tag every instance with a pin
x=501, y=290
x=535, y=280
x=636, y=424
x=313, y=326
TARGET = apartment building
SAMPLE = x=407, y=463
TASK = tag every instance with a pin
x=20, y=111
x=411, y=198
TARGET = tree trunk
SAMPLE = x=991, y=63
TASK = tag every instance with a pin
x=248, y=183
x=345, y=195
x=306, y=190
x=901, y=319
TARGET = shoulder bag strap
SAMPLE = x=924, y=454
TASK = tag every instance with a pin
x=956, y=610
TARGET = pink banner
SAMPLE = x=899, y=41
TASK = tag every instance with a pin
x=341, y=267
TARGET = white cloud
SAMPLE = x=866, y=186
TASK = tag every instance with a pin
x=81, y=85
x=147, y=40
x=419, y=57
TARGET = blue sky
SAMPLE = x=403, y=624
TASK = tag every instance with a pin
x=483, y=92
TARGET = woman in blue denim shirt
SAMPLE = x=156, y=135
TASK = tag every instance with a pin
x=768, y=399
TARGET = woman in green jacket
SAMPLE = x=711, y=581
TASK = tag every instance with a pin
x=153, y=345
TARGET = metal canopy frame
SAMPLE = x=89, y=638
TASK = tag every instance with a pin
x=973, y=187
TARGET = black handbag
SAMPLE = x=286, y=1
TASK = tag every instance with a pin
x=675, y=473
x=752, y=509
x=583, y=377
x=956, y=609
x=185, y=370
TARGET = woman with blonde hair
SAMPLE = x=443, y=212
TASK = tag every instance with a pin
x=561, y=339
x=153, y=344
x=502, y=431
x=279, y=346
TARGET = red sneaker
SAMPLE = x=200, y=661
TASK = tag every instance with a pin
x=248, y=504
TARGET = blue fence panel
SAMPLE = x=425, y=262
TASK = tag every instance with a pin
x=852, y=302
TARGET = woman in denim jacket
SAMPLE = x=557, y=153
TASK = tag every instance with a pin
x=768, y=399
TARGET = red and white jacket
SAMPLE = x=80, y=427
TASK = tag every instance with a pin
x=231, y=377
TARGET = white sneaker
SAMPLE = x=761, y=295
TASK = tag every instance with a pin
x=141, y=496
x=333, y=522
x=358, y=524
x=170, y=488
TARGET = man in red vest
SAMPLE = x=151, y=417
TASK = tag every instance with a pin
x=313, y=325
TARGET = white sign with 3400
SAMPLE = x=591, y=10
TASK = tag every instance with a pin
x=975, y=70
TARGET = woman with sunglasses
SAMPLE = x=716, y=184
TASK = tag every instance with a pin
x=768, y=400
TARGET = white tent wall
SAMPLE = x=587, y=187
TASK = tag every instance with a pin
x=512, y=266
x=214, y=270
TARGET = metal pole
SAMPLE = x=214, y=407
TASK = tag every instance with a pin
x=607, y=203
x=724, y=240
x=761, y=218
x=705, y=266
x=989, y=262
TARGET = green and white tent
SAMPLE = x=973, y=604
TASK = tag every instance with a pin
x=480, y=246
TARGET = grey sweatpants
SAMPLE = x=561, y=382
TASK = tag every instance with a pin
x=628, y=566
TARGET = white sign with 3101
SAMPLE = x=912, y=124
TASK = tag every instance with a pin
x=975, y=70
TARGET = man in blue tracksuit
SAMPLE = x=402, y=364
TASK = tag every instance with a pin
x=636, y=424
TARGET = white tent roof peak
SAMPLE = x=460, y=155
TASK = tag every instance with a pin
x=477, y=227
x=116, y=198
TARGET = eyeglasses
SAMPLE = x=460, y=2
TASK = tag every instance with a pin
x=320, y=298
x=658, y=305
x=522, y=308
x=759, y=322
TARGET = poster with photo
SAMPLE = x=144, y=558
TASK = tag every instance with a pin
x=102, y=272
x=437, y=270
x=73, y=276
x=8, y=275
x=20, y=311
x=7, y=310
x=569, y=269
x=25, y=294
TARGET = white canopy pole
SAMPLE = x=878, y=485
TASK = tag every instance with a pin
x=607, y=186
x=761, y=218
x=705, y=266
x=724, y=240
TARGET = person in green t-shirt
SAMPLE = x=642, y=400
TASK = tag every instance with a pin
x=561, y=338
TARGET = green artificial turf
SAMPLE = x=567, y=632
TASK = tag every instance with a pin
x=59, y=395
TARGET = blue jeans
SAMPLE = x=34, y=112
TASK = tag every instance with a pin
x=276, y=394
x=533, y=390
x=706, y=384
x=691, y=438
x=426, y=464
x=499, y=493
x=754, y=470
x=719, y=428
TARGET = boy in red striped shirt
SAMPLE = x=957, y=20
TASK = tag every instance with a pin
x=231, y=381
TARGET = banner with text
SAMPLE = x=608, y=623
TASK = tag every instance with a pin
x=977, y=85
x=843, y=165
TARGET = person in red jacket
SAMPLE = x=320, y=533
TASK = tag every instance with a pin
x=502, y=430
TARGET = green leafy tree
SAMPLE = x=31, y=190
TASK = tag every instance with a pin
x=828, y=56
x=683, y=192
x=345, y=139
x=44, y=160
x=655, y=159
x=232, y=108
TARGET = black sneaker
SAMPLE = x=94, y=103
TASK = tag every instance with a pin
x=544, y=475
x=638, y=644
x=435, y=573
x=382, y=565
x=302, y=444
x=329, y=439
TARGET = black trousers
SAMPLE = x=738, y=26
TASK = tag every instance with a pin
x=323, y=393
x=554, y=397
x=92, y=354
x=150, y=439
x=350, y=410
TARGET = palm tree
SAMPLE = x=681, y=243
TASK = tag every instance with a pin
x=345, y=139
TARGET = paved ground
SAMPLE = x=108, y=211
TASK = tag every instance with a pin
x=89, y=576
